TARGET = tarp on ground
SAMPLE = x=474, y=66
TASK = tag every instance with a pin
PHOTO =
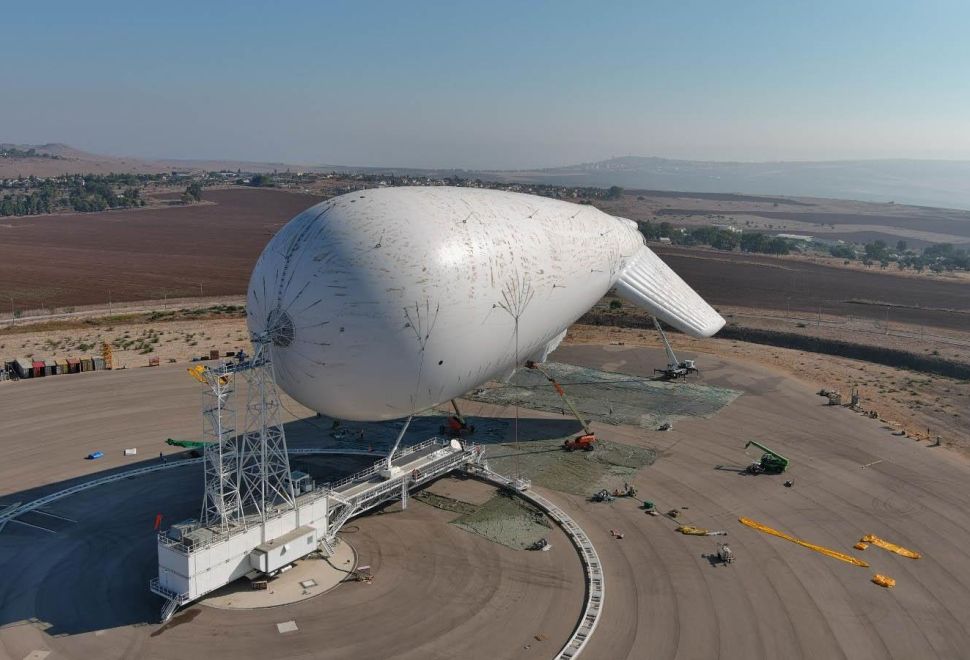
x=603, y=396
x=891, y=547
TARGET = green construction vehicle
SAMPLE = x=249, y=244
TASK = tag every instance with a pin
x=193, y=445
x=771, y=461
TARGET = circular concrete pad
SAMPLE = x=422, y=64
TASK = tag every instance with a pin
x=291, y=586
x=75, y=576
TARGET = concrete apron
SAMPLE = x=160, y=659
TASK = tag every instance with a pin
x=286, y=588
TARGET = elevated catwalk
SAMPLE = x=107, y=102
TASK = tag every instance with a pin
x=195, y=560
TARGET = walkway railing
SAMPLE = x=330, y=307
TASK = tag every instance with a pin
x=595, y=582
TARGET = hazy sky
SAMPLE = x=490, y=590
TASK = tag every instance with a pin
x=489, y=84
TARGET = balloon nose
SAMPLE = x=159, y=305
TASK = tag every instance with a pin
x=279, y=328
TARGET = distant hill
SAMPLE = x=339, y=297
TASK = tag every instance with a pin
x=922, y=182
x=936, y=183
x=68, y=160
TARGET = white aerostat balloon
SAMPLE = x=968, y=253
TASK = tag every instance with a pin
x=381, y=303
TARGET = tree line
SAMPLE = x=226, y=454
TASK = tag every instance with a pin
x=14, y=152
x=715, y=237
x=75, y=192
x=937, y=258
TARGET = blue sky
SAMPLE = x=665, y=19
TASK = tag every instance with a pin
x=489, y=84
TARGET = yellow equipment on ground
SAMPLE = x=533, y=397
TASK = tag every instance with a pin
x=891, y=547
x=694, y=531
x=699, y=531
x=107, y=355
x=835, y=554
x=884, y=580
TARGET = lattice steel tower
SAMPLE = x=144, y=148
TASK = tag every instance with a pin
x=264, y=469
x=222, y=505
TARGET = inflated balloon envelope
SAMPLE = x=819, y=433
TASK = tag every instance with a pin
x=385, y=302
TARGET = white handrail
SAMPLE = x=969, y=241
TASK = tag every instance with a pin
x=595, y=581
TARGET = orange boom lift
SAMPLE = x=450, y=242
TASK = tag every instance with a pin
x=585, y=441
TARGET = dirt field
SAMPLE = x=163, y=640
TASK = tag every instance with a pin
x=175, y=341
x=770, y=283
x=79, y=589
x=72, y=260
x=915, y=402
x=944, y=224
x=69, y=260
x=820, y=217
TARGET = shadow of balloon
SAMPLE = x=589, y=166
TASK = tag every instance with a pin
x=83, y=563
x=380, y=436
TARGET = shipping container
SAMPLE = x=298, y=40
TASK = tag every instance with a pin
x=62, y=367
x=86, y=364
x=50, y=368
x=38, y=368
x=98, y=363
x=74, y=365
x=24, y=368
x=214, y=354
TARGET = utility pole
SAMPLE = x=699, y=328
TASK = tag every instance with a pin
x=200, y=290
x=109, y=301
x=13, y=313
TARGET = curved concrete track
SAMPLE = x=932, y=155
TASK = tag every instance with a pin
x=441, y=592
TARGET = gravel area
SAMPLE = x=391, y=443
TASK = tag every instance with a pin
x=507, y=520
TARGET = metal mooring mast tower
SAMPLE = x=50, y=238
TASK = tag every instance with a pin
x=222, y=505
x=247, y=476
x=264, y=466
x=251, y=517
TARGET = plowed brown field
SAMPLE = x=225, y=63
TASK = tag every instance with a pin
x=744, y=280
x=68, y=260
